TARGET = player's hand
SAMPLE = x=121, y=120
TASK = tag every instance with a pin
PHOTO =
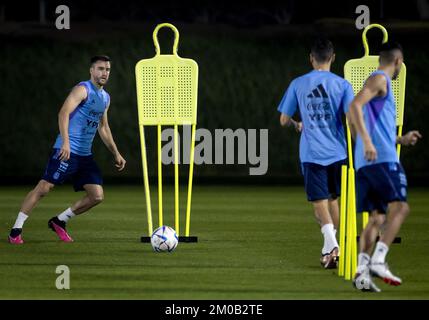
x=120, y=162
x=298, y=127
x=64, y=154
x=410, y=138
x=370, y=151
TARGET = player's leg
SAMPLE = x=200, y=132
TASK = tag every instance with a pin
x=321, y=212
x=55, y=173
x=87, y=179
x=392, y=190
x=397, y=213
x=33, y=197
x=316, y=186
x=334, y=189
x=30, y=201
x=370, y=232
x=330, y=244
x=362, y=279
x=94, y=196
x=334, y=212
x=365, y=203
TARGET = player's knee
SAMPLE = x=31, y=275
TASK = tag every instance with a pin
x=405, y=209
x=400, y=209
x=377, y=220
x=97, y=198
x=43, y=188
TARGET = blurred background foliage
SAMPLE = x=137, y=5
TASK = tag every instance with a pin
x=244, y=71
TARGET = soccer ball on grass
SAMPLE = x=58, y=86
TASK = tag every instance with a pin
x=164, y=239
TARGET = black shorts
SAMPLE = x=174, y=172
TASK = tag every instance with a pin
x=322, y=182
x=80, y=169
x=379, y=184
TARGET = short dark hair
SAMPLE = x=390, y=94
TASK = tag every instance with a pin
x=387, y=52
x=322, y=50
x=94, y=59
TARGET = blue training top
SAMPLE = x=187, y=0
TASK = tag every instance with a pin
x=380, y=121
x=84, y=120
x=322, y=98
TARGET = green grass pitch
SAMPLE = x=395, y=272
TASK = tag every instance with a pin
x=255, y=242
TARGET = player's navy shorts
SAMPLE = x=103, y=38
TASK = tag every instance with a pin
x=322, y=182
x=80, y=169
x=379, y=184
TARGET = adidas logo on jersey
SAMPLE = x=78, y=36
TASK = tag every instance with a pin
x=318, y=92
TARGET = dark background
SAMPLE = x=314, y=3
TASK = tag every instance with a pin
x=247, y=51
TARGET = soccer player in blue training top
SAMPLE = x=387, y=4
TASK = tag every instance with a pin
x=380, y=179
x=82, y=114
x=322, y=98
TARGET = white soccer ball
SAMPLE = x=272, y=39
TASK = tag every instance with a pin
x=164, y=239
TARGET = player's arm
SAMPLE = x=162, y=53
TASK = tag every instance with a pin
x=107, y=138
x=76, y=96
x=375, y=86
x=288, y=106
x=346, y=101
x=286, y=121
x=410, y=138
x=351, y=126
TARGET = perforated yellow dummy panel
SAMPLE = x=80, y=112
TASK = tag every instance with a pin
x=167, y=86
x=357, y=71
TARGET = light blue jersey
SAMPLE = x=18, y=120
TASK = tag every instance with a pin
x=84, y=120
x=322, y=98
x=380, y=121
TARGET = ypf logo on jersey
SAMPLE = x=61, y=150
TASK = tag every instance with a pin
x=319, y=108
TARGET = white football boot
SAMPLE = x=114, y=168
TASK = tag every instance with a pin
x=381, y=270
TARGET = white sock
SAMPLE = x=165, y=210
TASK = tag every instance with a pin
x=20, y=220
x=329, y=237
x=66, y=215
x=363, y=261
x=380, y=252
